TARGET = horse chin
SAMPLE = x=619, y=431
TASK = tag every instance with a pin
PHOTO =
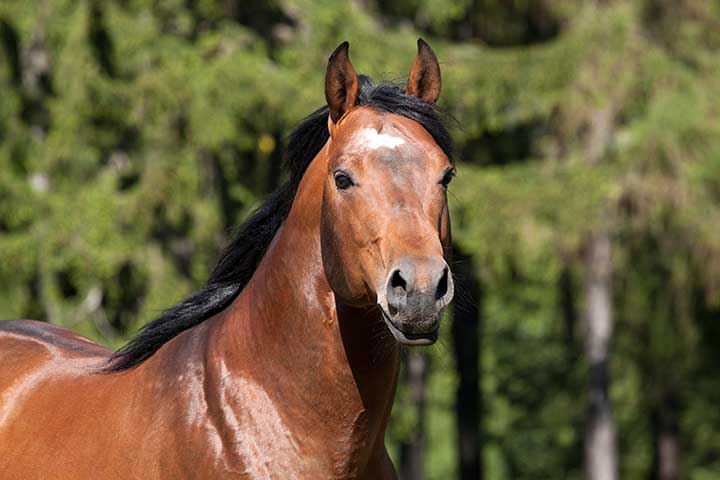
x=414, y=339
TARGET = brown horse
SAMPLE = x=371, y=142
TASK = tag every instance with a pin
x=284, y=364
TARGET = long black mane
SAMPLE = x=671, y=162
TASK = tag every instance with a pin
x=240, y=259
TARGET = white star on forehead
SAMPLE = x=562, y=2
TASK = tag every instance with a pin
x=370, y=138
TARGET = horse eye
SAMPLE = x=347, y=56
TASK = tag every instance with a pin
x=447, y=178
x=342, y=181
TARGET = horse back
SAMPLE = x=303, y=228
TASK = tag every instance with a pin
x=46, y=373
x=27, y=347
x=29, y=335
x=62, y=416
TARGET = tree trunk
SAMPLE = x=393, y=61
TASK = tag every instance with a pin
x=666, y=454
x=412, y=451
x=600, y=445
x=466, y=342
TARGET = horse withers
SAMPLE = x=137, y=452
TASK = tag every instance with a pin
x=285, y=364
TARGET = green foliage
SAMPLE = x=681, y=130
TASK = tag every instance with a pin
x=135, y=134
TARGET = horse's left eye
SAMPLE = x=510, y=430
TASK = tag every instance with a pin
x=447, y=178
x=343, y=181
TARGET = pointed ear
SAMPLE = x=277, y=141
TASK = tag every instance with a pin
x=424, y=81
x=341, y=83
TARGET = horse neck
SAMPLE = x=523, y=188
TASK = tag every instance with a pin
x=287, y=331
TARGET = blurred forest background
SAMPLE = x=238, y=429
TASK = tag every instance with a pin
x=134, y=134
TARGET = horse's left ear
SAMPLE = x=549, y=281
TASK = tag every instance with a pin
x=424, y=81
x=341, y=83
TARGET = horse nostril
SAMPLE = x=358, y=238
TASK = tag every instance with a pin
x=442, y=287
x=397, y=292
x=397, y=281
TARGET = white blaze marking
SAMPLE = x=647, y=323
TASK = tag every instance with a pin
x=371, y=139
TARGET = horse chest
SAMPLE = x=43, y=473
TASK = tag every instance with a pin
x=253, y=436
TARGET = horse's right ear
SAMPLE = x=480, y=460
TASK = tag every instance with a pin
x=341, y=83
x=424, y=81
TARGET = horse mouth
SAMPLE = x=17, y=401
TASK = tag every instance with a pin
x=415, y=338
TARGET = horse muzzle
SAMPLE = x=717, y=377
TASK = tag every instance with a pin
x=417, y=291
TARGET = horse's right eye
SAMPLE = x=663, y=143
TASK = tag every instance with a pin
x=447, y=178
x=343, y=181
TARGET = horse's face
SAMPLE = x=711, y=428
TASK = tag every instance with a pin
x=385, y=224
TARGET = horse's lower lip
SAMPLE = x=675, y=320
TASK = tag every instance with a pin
x=412, y=339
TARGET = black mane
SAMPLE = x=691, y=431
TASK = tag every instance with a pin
x=240, y=259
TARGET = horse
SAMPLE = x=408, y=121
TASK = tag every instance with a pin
x=285, y=363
